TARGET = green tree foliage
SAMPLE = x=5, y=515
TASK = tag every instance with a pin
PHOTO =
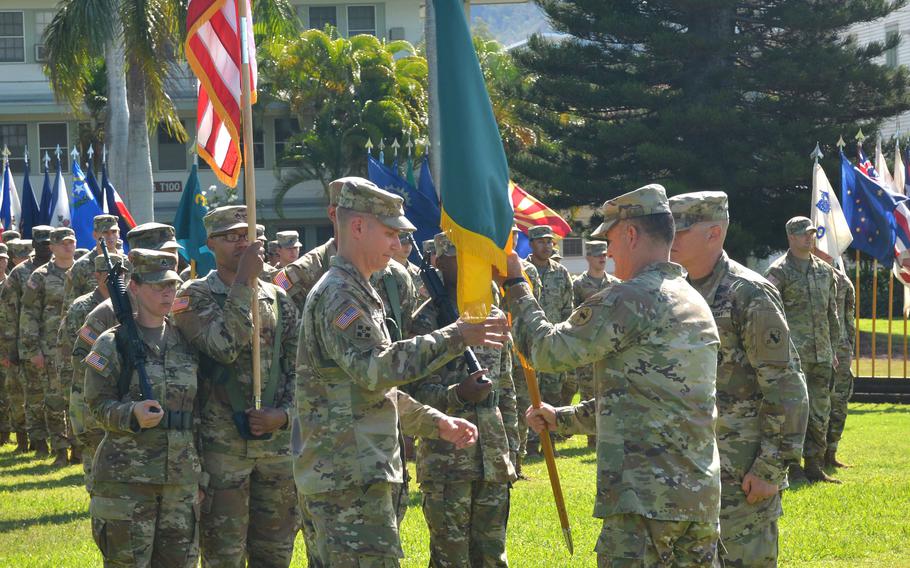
x=703, y=94
x=343, y=92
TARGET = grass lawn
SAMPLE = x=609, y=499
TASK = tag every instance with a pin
x=44, y=512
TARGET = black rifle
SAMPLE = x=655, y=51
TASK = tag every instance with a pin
x=446, y=309
x=128, y=341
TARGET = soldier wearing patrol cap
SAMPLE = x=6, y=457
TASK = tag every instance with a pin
x=585, y=285
x=5, y=419
x=272, y=253
x=147, y=474
x=43, y=302
x=762, y=404
x=154, y=236
x=10, y=296
x=345, y=353
x=402, y=258
x=809, y=291
x=654, y=344
x=288, y=247
x=9, y=235
x=79, y=279
x=555, y=298
x=251, y=504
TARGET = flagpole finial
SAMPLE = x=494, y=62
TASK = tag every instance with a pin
x=6, y=153
x=26, y=155
x=104, y=154
x=90, y=152
x=841, y=143
x=369, y=145
x=58, y=151
x=396, y=146
x=860, y=137
x=47, y=160
x=817, y=153
x=75, y=155
x=409, y=145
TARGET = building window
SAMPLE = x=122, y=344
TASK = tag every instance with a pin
x=571, y=246
x=12, y=38
x=322, y=16
x=51, y=135
x=891, y=61
x=323, y=234
x=171, y=152
x=15, y=137
x=42, y=21
x=285, y=128
x=361, y=20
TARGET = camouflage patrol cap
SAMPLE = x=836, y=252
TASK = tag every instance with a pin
x=540, y=232
x=648, y=200
x=443, y=245
x=101, y=263
x=154, y=266
x=428, y=246
x=224, y=219
x=19, y=248
x=41, y=234
x=260, y=231
x=103, y=223
x=273, y=247
x=800, y=226
x=697, y=207
x=335, y=188
x=363, y=196
x=61, y=234
x=153, y=236
x=10, y=234
x=287, y=239
x=3, y=251
x=595, y=248
x=80, y=252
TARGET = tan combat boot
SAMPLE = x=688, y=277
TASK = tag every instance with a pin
x=41, y=449
x=21, y=443
x=815, y=473
x=61, y=459
x=831, y=460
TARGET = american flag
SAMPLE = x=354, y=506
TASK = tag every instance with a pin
x=347, y=317
x=282, y=280
x=213, y=52
x=96, y=361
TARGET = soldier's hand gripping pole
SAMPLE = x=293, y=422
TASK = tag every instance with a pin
x=135, y=350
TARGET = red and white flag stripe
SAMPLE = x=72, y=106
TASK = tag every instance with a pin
x=213, y=52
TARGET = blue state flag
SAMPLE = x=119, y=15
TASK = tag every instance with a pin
x=85, y=209
x=47, y=204
x=418, y=208
x=869, y=210
x=93, y=185
x=190, y=229
x=30, y=211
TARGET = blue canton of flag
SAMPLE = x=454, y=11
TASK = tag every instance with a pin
x=868, y=208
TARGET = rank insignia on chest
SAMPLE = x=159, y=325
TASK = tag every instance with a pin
x=87, y=335
x=181, y=304
x=281, y=280
x=96, y=361
x=347, y=317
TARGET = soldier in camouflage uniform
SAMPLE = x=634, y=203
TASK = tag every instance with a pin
x=74, y=340
x=79, y=279
x=466, y=492
x=843, y=375
x=250, y=511
x=585, y=285
x=655, y=345
x=809, y=292
x=402, y=257
x=6, y=426
x=9, y=235
x=556, y=299
x=762, y=404
x=288, y=243
x=348, y=368
x=39, y=320
x=10, y=296
x=146, y=495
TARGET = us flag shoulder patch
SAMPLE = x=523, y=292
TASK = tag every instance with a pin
x=96, y=361
x=347, y=316
x=87, y=335
x=281, y=280
x=181, y=304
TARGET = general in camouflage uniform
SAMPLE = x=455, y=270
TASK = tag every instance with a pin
x=145, y=500
x=809, y=292
x=10, y=297
x=654, y=345
x=250, y=511
x=74, y=340
x=762, y=404
x=79, y=278
x=348, y=403
x=585, y=285
x=466, y=492
x=556, y=300
x=843, y=375
x=39, y=320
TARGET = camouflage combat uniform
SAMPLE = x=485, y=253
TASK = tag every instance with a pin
x=556, y=301
x=6, y=425
x=22, y=392
x=39, y=321
x=251, y=505
x=79, y=278
x=654, y=345
x=518, y=374
x=809, y=294
x=583, y=287
x=843, y=376
x=299, y=277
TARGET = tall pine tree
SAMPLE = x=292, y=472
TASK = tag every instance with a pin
x=703, y=94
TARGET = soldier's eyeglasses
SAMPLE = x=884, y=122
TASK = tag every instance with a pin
x=233, y=237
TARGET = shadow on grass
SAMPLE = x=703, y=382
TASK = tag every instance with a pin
x=73, y=479
x=879, y=409
x=54, y=519
x=566, y=453
x=39, y=468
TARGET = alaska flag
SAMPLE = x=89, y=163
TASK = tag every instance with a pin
x=869, y=209
x=113, y=205
x=85, y=209
x=30, y=211
x=47, y=205
x=418, y=208
x=10, y=207
x=190, y=230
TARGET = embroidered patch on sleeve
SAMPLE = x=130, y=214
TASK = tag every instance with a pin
x=181, y=304
x=87, y=335
x=281, y=280
x=347, y=317
x=96, y=361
